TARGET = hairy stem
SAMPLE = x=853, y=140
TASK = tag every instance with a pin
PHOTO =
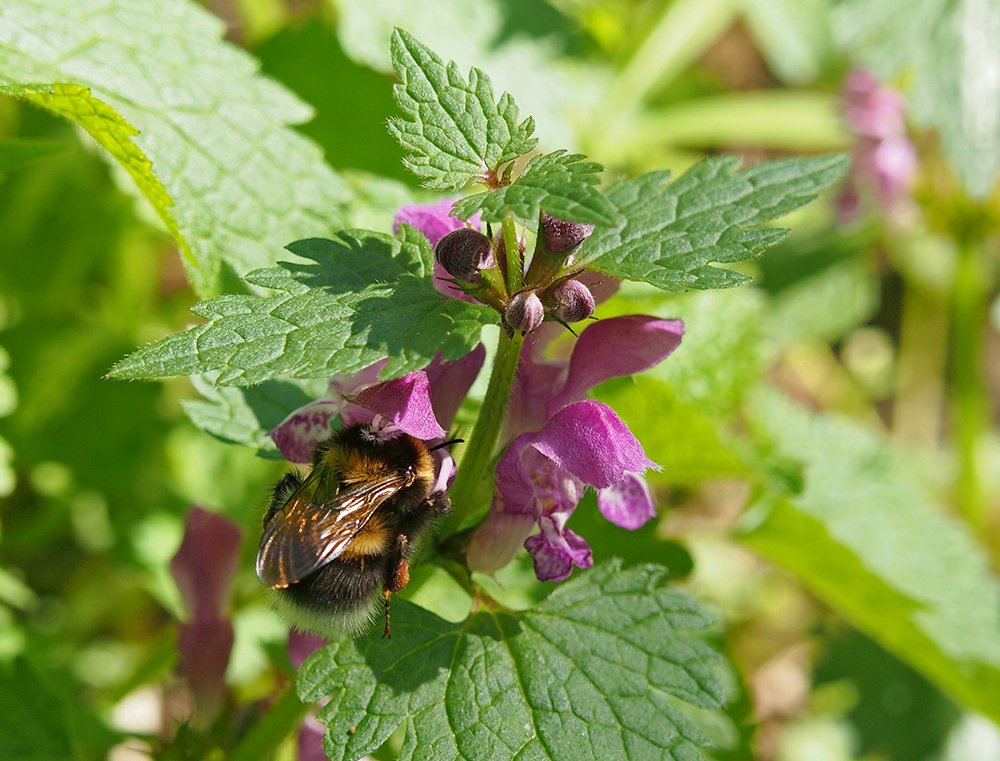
x=515, y=267
x=970, y=403
x=485, y=435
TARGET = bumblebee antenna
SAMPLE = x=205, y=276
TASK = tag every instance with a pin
x=447, y=443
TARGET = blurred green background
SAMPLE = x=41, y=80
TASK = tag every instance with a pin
x=883, y=319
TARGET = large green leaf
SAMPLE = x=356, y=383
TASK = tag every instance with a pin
x=204, y=136
x=366, y=297
x=711, y=214
x=853, y=522
x=606, y=667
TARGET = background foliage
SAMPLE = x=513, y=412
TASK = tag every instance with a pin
x=827, y=434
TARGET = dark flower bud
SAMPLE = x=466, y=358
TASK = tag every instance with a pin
x=563, y=236
x=463, y=252
x=573, y=302
x=525, y=311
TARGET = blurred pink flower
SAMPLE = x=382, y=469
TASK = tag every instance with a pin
x=204, y=568
x=885, y=161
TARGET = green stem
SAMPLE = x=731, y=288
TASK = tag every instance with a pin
x=920, y=372
x=970, y=402
x=684, y=30
x=515, y=267
x=485, y=435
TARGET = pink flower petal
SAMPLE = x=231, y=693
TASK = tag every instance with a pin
x=205, y=647
x=406, y=402
x=497, y=540
x=434, y=220
x=629, y=503
x=301, y=645
x=591, y=442
x=206, y=563
x=616, y=347
x=310, y=741
x=451, y=381
x=556, y=549
x=298, y=434
x=534, y=385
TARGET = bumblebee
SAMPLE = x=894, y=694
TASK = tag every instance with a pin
x=332, y=539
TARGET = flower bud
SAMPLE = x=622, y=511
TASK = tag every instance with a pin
x=463, y=252
x=525, y=311
x=573, y=302
x=562, y=237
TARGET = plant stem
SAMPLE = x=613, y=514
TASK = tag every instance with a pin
x=479, y=453
x=515, y=267
x=970, y=403
x=920, y=374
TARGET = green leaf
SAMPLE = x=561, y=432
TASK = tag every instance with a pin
x=245, y=415
x=606, y=667
x=266, y=735
x=188, y=116
x=945, y=50
x=710, y=214
x=452, y=129
x=863, y=535
x=366, y=297
x=33, y=724
x=522, y=49
x=826, y=306
x=793, y=35
x=15, y=154
x=558, y=183
x=112, y=133
x=698, y=389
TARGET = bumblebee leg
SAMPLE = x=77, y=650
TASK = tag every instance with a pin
x=386, y=633
x=439, y=504
x=397, y=576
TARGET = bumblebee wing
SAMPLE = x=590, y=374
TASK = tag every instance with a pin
x=305, y=536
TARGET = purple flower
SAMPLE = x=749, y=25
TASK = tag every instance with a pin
x=564, y=443
x=435, y=221
x=204, y=568
x=884, y=158
x=421, y=404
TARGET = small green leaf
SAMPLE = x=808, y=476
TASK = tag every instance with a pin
x=606, y=667
x=242, y=182
x=245, y=415
x=453, y=129
x=710, y=214
x=366, y=297
x=861, y=532
x=558, y=183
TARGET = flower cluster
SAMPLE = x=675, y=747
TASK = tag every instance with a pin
x=558, y=442
x=884, y=158
x=562, y=442
x=473, y=266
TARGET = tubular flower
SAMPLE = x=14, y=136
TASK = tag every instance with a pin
x=564, y=443
x=204, y=568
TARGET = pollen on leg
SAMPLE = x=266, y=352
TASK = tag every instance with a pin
x=386, y=595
